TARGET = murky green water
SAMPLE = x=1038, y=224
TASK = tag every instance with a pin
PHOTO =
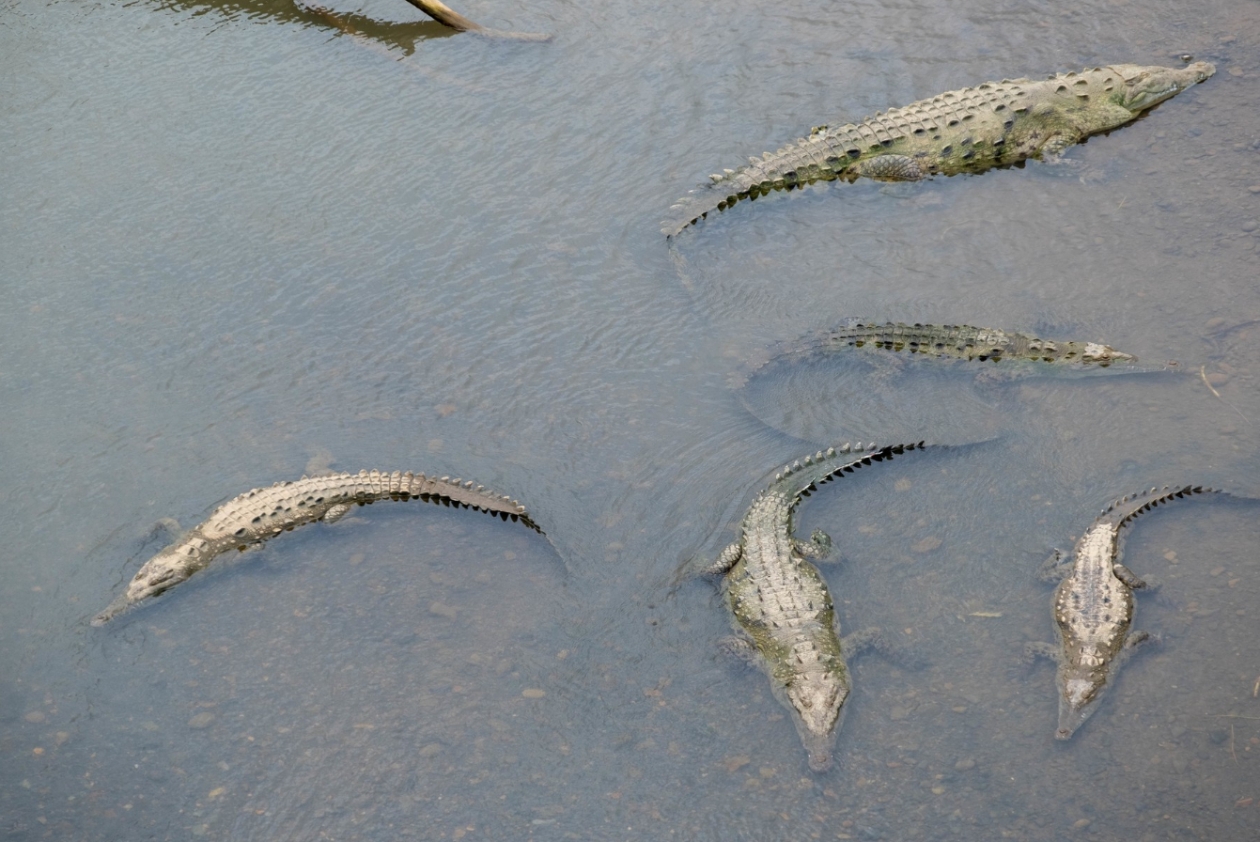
x=237, y=243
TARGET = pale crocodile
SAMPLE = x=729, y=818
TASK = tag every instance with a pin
x=1094, y=607
x=956, y=342
x=780, y=604
x=263, y=513
x=995, y=124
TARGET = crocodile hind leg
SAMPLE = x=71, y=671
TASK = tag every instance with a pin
x=1052, y=569
x=817, y=548
x=725, y=561
x=1131, y=579
x=890, y=168
x=335, y=513
x=167, y=529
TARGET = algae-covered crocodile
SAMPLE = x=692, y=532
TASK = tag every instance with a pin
x=1094, y=607
x=995, y=124
x=263, y=513
x=781, y=606
x=955, y=342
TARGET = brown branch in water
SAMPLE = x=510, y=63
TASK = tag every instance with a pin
x=444, y=14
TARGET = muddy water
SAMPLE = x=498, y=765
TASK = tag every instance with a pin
x=239, y=243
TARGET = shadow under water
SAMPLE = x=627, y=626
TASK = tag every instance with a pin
x=371, y=32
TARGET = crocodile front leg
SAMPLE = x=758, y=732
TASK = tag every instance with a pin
x=1033, y=651
x=855, y=643
x=1127, y=576
x=1138, y=640
x=1052, y=569
x=725, y=561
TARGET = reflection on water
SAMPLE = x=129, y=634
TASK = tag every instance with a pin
x=402, y=33
x=235, y=242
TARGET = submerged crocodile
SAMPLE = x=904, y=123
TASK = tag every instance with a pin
x=263, y=513
x=1094, y=607
x=958, y=342
x=996, y=124
x=780, y=603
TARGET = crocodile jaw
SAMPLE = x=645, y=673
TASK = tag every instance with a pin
x=1079, y=693
x=1146, y=87
x=817, y=704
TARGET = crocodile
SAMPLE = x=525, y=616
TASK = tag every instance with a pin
x=263, y=513
x=782, y=611
x=996, y=124
x=955, y=342
x=1094, y=607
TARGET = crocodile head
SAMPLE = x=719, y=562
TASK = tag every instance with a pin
x=160, y=573
x=1080, y=688
x=1146, y=87
x=817, y=703
x=1104, y=355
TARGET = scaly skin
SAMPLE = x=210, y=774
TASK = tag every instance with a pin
x=781, y=605
x=1094, y=608
x=996, y=124
x=960, y=342
x=263, y=513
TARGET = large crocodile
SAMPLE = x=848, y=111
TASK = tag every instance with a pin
x=263, y=513
x=780, y=604
x=995, y=124
x=956, y=342
x=1094, y=607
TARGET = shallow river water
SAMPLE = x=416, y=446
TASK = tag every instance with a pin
x=238, y=243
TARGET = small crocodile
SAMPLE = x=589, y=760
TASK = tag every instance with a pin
x=996, y=124
x=1094, y=607
x=263, y=513
x=959, y=342
x=780, y=604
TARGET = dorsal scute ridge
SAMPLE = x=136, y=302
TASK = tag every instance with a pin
x=1127, y=509
x=869, y=455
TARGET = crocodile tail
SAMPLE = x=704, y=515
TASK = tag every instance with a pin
x=462, y=493
x=811, y=346
x=799, y=163
x=804, y=476
x=1130, y=507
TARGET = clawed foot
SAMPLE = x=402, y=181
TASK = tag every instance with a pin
x=738, y=648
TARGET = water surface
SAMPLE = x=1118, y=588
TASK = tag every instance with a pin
x=238, y=243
